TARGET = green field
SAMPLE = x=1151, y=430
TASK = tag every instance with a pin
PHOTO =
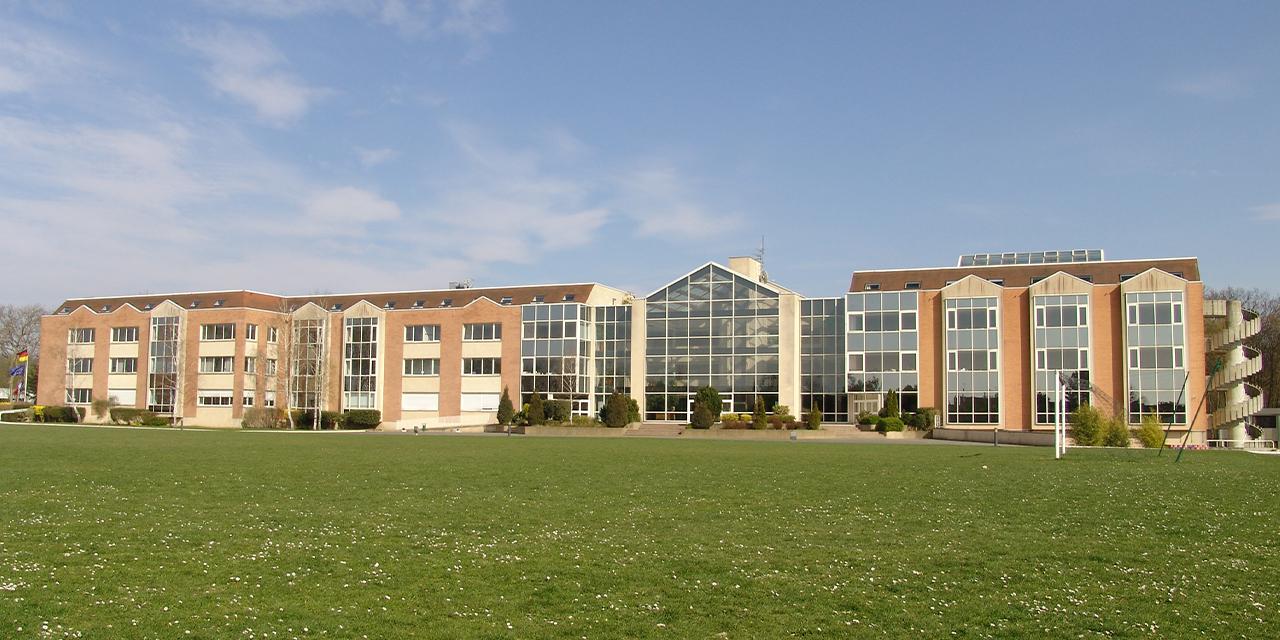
x=168, y=534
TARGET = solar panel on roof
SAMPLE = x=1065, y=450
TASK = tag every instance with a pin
x=1032, y=257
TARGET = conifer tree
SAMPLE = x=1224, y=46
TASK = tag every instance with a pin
x=536, y=415
x=505, y=410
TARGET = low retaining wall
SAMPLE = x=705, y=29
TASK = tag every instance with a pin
x=1028, y=438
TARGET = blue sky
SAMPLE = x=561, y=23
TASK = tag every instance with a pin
x=300, y=146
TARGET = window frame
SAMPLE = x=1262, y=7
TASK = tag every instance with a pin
x=221, y=332
x=117, y=331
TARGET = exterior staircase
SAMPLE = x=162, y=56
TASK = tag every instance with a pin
x=1240, y=399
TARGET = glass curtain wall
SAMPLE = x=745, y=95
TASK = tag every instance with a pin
x=822, y=357
x=1156, y=335
x=1062, y=349
x=711, y=328
x=360, y=364
x=883, y=350
x=973, y=361
x=162, y=375
x=307, y=355
x=612, y=353
x=554, y=351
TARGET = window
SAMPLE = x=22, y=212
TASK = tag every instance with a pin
x=487, y=331
x=251, y=332
x=269, y=399
x=419, y=401
x=80, y=365
x=105, y=308
x=1156, y=339
x=162, y=372
x=79, y=396
x=391, y=304
x=337, y=306
x=481, y=366
x=996, y=281
x=247, y=398
x=124, y=365
x=1035, y=279
x=269, y=367
x=422, y=333
x=1126, y=276
x=1086, y=278
x=273, y=335
x=417, y=304
x=219, y=303
x=360, y=364
x=80, y=336
x=506, y=300
x=539, y=299
x=195, y=305
x=871, y=286
x=914, y=284
x=422, y=366
x=124, y=334
x=568, y=297
x=149, y=306
x=480, y=401
x=447, y=302
x=213, y=398
x=973, y=361
x=217, y=364
x=124, y=397
x=211, y=332
x=250, y=364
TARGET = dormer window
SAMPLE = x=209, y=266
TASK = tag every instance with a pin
x=105, y=308
x=1126, y=276
x=447, y=302
x=1086, y=278
x=391, y=304
x=149, y=306
x=568, y=297
x=506, y=300
x=417, y=304
x=219, y=303
x=914, y=284
x=537, y=299
x=871, y=286
x=1035, y=279
x=996, y=281
x=196, y=304
x=65, y=310
x=337, y=306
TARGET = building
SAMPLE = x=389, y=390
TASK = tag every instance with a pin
x=986, y=342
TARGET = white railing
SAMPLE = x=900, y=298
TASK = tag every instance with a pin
x=1263, y=445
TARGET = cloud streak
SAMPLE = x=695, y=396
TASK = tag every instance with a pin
x=471, y=19
x=245, y=66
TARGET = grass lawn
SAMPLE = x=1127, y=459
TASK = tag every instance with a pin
x=168, y=534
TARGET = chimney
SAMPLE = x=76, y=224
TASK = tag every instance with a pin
x=749, y=267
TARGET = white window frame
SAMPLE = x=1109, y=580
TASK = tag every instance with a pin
x=412, y=368
x=422, y=333
x=79, y=395
x=117, y=332
x=482, y=332
x=250, y=364
x=273, y=335
x=419, y=401
x=112, y=368
x=251, y=332
x=493, y=365
x=80, y=336
x=80, y=366
x=223, y=332
x=213, y=364
x=247, y=398
x=214, y=397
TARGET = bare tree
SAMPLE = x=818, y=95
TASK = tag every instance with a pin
x=20, y=329
x=1267, y=342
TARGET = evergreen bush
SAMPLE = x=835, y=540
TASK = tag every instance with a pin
x=534, y=413
x=129, y=415
x=557, y=410
x=616, y=410
x=362, y=419
x=702, y=417
x=262, y=418
x=890, y=424
x=1086, y=426
x=890, y=409
x=1115, y=433
x=711, y=398
x=1151, y=433
x=815, y=418
x=505, y=411
x=758, y=420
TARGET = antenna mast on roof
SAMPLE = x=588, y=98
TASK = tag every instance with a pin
x=764, y=275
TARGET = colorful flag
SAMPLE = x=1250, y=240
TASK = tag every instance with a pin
x=22, y=356
x=20, y=370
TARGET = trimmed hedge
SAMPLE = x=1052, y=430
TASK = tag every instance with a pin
x=890, y=424
x=263, y=418
x=58, y=414
x=129, y=415
x=361, y=419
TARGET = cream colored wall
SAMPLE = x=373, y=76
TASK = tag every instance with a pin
x=485, y=349
x=637, y=352
x=417, y=350
x=421, y=384
x=789, y=352
x=482, y=384
x=606, y=296
x=217, y=348
x=128, y=350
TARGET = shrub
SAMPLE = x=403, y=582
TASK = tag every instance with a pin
x=735, y=424
x=927, y=414
x=17, y=415
x=333, y=420
x=890, y=409
x=505, y=411
x=702, y=417
x=155, y=421
x=890, y=424
x=534, y=413
x=59, y=414
x=616, y=410
x=1151, y=433
x=264, y=418
x=102, y=406
x=302, y=420
x=1087, y=426
x=711, y=398
x=585, y=421
x=1115, y=433
x=633, y=410
x=815, y=418
x=869, y=419
x=362, y=419
x=914, y=421
x=757, y=418
x=128, y=415
x=558, y=410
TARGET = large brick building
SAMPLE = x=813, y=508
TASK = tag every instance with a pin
x=985, y=342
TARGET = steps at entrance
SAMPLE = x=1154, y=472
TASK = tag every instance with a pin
x=656, y=430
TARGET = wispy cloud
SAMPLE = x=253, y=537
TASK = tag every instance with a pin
x=472, y=19
x=345, y=210
x=29, y=59
x=374, y=157
x=662, y=204
x=1217, y=86
x=1267, y=211
x=247, y=67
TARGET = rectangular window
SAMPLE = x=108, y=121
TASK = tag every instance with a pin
x=217, y=364
x=80, y=365
x=914, y=284
x=124, y=365
x=269, y=367
x=213, y=398
x=422, y=333
x=487, y=331
x=908, y=322
x=211, y=332
x=79, y=396
x=251, y=332
x=360, y=364
x=273, y=335
x=123, y=397
x=855, y=322
x=124, y=334
x=422, y=366
x=856, y=361
x=481, y=366
x=480, y=401
x=80, y=336
x=908, y=362
x=269, y=399
x=247, y=398
x=250, y=364
x=419, y=401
